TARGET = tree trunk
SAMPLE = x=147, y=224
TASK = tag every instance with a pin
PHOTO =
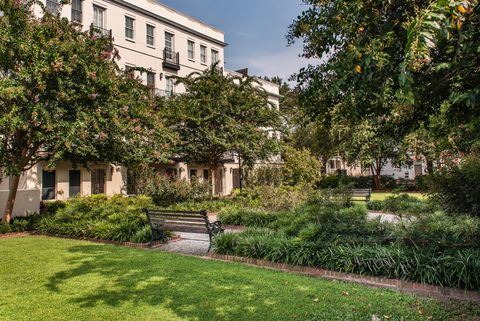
x=211, y=179
x=429, y=166
x=240, y=168
x=8, y=214
x=377, y=171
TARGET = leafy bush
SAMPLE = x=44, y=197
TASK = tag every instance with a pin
x=433, y=248
x=275, y=199
x=301, y=167
x=457, y=188
x=51, y=207
x=265, y=175
x=166, y=191
x=246, y=217
x=403, y=204
x=342, y=180
x=116, y=219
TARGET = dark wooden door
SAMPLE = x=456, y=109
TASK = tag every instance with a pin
x=98, y=181
x=73, y=183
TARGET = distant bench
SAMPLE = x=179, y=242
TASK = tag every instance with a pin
x=361, y=194
x=181, y=221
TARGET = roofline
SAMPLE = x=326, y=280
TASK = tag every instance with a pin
x=173, y=23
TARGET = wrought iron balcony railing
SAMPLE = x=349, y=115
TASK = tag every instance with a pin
x=171, y=59
x=100, y=31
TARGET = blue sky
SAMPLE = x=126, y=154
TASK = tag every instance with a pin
x=255, y=31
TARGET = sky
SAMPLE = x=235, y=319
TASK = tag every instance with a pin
x=255, y=31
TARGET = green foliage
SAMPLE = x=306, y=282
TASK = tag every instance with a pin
x=300, y=167
x=457, y=188
x=118, y=219
x=223, y=114
x=275, y=199
x=166, y=191
x=403, y=204
x=246, y=216
x=433, y=248
x=62, y=96
x=263, y=175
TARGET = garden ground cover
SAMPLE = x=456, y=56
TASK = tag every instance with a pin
x=56, y=279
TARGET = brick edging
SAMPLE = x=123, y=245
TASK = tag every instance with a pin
x=399, y=285
x=122, y=244
x=13, y=235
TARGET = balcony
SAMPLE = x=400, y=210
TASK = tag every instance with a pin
x=171, y=59
x=101, y=32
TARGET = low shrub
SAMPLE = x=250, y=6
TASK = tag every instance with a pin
x=246, y=217
x=275, y=199
x=403, y=204
x=118, y=219
x=51, y=207
x=343, y=180
x=265, y=175
x=433, y=248
x=457, y=188
x=166, y=191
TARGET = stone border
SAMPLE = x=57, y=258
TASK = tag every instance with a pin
x=399, y=285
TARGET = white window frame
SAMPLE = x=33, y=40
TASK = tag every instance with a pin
x=79, y=10
x=170, y=86
x=101, y=10
x=215, y=55
x=129, y=29
x=150, y=37
x=203, y=54
x=191, y=50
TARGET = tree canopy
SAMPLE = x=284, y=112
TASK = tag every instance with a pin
x=396, y=66
x=62, y=96
x=221, y=114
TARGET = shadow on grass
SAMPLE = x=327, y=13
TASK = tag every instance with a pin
x=188, y=287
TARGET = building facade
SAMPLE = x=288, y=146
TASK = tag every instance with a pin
x=146, y=34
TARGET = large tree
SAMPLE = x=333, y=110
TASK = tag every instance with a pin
x=221, y=114
x=62, y=96
x=414, y=63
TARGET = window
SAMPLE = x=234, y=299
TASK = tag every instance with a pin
x=193, y=173
x=130, y=72
x=129, y=27
x=215, y=57
x=151, y=82
x=191, y=50
x=48, y=185
x=170, y=87
x=407, y=175
x=172, y=173
x=53, y=6
x=74, y=183
x=205, y=174
x=203, y=54
x=98, y=181
x=169, y=42
x=77, y=11
x=98, y=17
x=150, y=35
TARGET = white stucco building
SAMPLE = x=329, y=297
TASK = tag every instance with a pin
x=153, y=36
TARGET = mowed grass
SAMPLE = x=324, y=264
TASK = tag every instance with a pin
x=55, y=279
x=380, y=196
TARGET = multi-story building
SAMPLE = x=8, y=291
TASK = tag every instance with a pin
x=153, y=36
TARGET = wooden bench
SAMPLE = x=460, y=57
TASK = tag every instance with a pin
x=181, y=221
x=361, y=194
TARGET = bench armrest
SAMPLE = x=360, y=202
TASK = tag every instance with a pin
x=216, y=227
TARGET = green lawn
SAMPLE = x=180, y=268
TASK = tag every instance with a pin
x=54, y=279
x=380, y=196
